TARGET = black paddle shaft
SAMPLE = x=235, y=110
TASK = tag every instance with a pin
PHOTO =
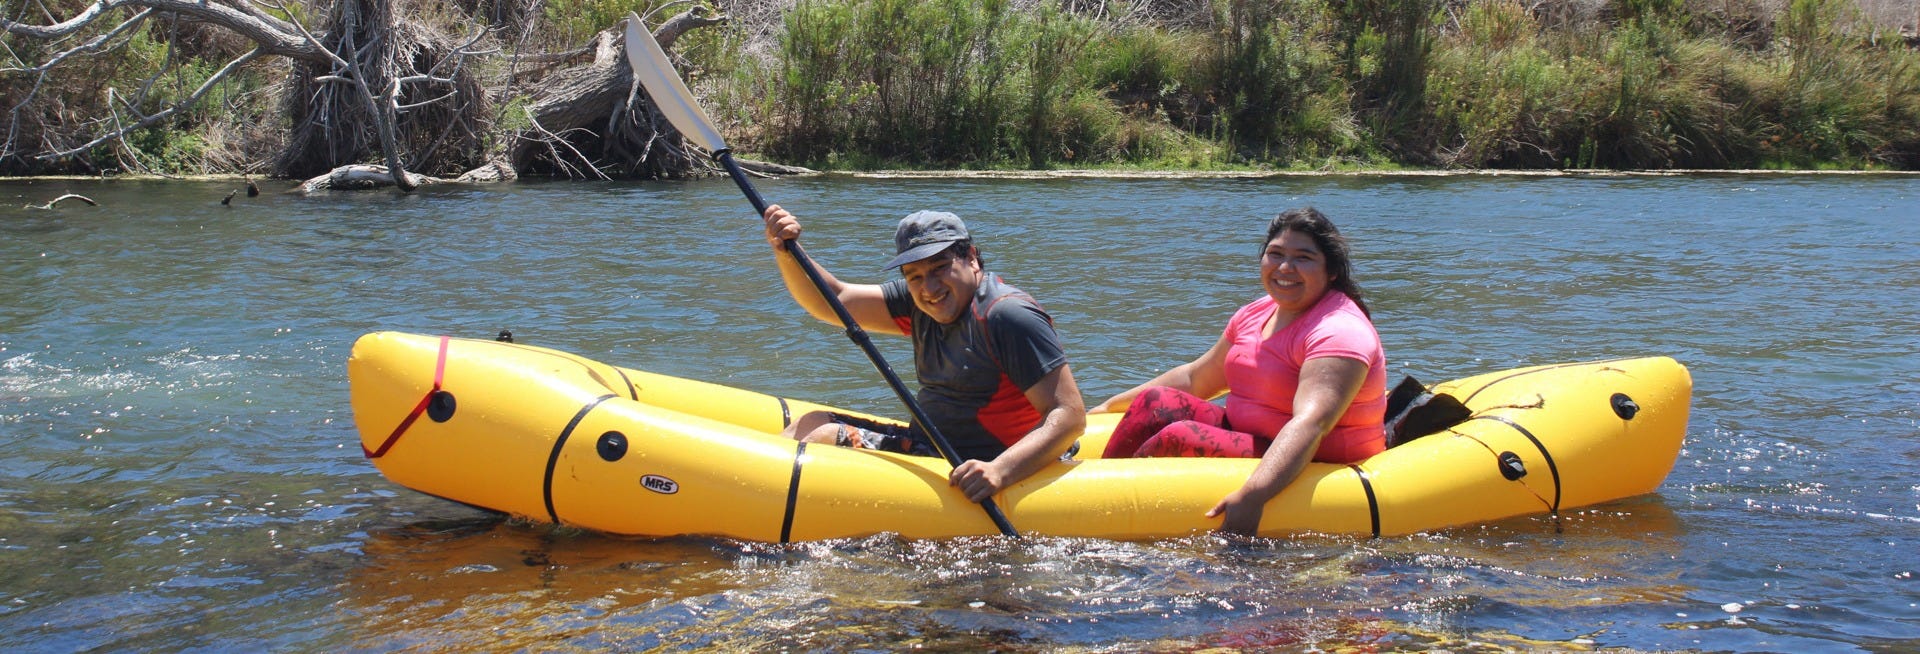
x=859, y=337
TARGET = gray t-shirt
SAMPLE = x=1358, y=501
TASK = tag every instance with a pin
x=974, y=373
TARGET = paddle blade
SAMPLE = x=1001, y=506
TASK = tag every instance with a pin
x=663, y=84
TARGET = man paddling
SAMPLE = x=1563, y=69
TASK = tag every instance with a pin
x=993, y=377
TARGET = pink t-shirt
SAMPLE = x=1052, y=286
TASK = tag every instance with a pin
x=1263, y=376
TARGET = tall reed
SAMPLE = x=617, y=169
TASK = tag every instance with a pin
x=1848, y=94
x=902, y=80
x=1642, y=84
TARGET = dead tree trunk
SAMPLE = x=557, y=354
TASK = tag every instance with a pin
x=596, y=117
x=391, y=88
x=376, y=81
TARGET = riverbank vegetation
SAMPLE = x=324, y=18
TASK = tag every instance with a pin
x=1337, y=83
x=862, y=84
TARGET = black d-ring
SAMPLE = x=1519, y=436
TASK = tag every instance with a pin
x=1511, y=466
x=612, y=446
x=1624, y=406
x=441, y=407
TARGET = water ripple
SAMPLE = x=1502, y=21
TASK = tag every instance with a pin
x=182, y=469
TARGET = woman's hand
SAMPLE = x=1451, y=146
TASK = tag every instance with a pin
x=1327, y=386
x=1242, y=513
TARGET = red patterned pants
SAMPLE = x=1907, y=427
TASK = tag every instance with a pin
x=1167, y=422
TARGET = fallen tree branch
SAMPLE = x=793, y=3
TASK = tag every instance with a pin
x=361, y=177
x=273, y=35
x=686, y=21
x=550, y=138
x=156, y=118
x=50, y=204
x=550, y=57
x=770, y=169
x=65, y=27
x=92, y=45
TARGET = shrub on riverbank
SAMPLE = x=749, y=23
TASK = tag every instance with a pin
x=938, y=82
x=1487, y=83
x=1658, y=91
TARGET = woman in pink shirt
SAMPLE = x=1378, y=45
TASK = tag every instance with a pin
x=1303, y=365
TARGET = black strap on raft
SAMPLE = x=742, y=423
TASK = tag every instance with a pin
x=793, y=492
x=560, y=443
x=1533, y=371
x=437, y=404
x=633, y=392
x=1373, y=503
x=1553, y=469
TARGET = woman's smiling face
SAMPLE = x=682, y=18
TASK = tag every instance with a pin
x=1293, y=271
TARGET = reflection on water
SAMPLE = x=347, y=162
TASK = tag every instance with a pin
x=436, y=582
x=181, y=469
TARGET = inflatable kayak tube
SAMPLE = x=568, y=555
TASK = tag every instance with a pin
x=556, y=437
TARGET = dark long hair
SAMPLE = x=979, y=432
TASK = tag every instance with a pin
x=1309, y=221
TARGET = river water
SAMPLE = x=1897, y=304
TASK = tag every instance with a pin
x=179, y=468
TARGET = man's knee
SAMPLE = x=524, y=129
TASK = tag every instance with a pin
x=809, y=425
x=827, y=433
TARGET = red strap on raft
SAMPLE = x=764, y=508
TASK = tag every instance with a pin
x=439, y=373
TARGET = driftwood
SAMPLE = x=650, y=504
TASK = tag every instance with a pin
x=51, y=203
x=497, y=171
x=361, y=177
x=770, y=169
x=368, y=176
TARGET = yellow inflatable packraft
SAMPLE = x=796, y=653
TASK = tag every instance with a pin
x=556, y=437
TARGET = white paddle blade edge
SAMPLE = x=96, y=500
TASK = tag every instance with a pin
x=670, y=95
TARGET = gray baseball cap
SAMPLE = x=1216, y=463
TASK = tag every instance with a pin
x=923, y=234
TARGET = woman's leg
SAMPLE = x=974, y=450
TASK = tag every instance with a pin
x=1153, y=410
x=1190, y=438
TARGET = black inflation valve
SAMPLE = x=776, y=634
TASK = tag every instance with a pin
x=1511, y=466
x=612, y=446
x=1624, y=406
x=441, y=407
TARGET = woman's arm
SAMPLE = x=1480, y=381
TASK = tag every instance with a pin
x=1327, y=386
x=1204, y=377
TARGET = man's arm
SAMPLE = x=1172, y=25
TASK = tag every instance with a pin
x=1063, y=416
x=865, y=302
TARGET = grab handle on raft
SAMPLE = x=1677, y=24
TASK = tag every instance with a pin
x=675, y=101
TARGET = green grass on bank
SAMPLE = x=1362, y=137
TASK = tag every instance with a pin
x=1640, y=84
